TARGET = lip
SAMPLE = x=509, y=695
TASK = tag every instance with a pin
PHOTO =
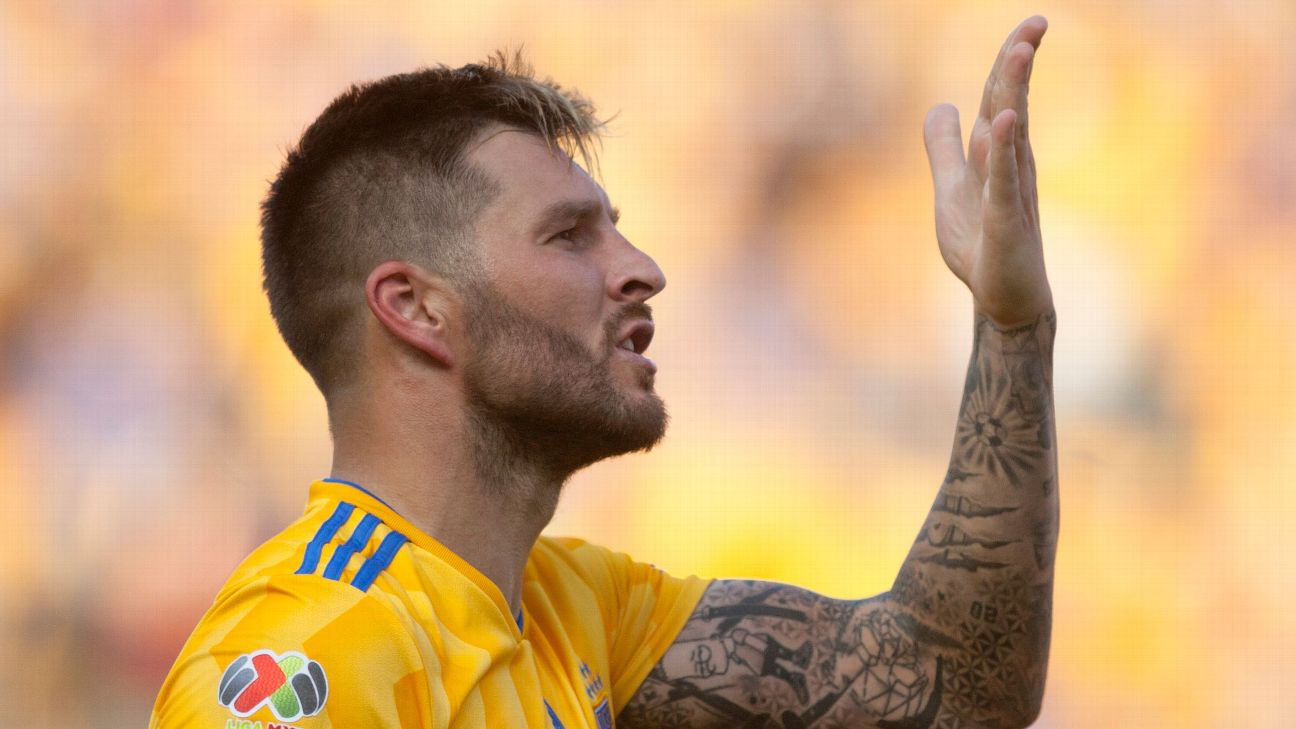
x=638, y=359
x=640, y=333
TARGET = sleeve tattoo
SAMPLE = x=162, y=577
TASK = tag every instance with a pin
x=962, y=638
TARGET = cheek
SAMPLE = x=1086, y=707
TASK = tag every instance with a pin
x=565, y=292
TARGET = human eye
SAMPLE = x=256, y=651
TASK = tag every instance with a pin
x=575, y=236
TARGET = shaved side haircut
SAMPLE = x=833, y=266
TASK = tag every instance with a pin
x=381, y=175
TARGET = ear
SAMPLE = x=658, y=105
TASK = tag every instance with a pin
x=412, y=304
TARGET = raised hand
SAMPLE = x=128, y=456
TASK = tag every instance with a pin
x=987, y=207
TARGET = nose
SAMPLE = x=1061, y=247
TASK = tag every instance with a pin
x=636, y=277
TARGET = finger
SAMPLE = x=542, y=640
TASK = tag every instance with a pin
x=1019, y=78
x=1030, y=31
x=1014, y=85
x=1008, y=88
x=1004, y=183
x=944, y=140
x=1025, y=153
x=978, y=150
x=1026, y=180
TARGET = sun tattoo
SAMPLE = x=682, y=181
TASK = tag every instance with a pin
x=992, y=434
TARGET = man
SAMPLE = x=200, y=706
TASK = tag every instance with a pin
x=458, y=289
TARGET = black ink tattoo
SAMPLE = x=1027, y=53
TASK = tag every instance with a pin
x=1005, y=422
x=794, y=659
x=965, y=506
x=924, y=718
x=941, y=534
x=1026, y=369
x=1044, y=542
x=993, y=435
x=924, y=634
x=916, y=589
x=946, y=543
x=962, y=638
x=960, y=561
x=954, y=475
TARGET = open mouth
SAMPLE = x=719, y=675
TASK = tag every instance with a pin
x=637, y=338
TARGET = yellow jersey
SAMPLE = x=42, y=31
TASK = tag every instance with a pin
x=352, y=617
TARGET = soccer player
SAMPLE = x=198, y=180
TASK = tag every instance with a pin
x=456, y=285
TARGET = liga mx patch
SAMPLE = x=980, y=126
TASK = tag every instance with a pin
x=292, y=685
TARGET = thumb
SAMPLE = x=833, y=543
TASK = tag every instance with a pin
x=944, y=140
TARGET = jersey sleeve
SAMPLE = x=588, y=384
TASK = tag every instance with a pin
x=644, y=609
x=299, y=650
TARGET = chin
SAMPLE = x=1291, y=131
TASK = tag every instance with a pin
x=639, y=426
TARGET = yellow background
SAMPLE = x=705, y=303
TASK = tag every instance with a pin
x=153, y=428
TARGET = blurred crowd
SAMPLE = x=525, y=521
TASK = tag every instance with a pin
x=154, y=429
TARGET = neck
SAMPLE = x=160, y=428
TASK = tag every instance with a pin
x=462, y=480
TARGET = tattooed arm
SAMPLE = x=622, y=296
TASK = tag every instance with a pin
x=961, y=640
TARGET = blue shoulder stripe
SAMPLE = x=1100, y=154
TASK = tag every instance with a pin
x=381, y=558
x=358, y=539
x=557, y=723
x=326, y=531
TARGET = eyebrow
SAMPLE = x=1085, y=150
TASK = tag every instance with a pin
x=579, y=210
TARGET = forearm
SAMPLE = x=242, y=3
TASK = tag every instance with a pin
x=962, y=638
x=981, y=570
